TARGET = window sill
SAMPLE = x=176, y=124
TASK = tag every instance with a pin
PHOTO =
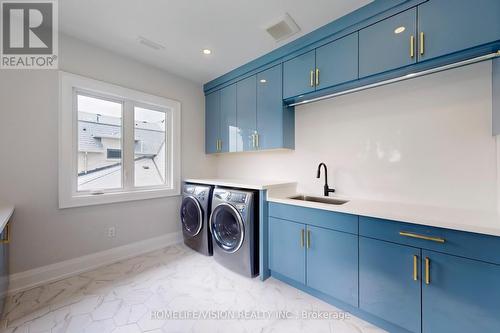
x=81, y=200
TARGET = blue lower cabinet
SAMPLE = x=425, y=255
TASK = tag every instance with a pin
x=287, y=250
x=461, y=295
x=387, y=288
x=332, y=263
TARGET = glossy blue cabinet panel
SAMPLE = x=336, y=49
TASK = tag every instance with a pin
x=270, y=110
x=332, y=263
x=463, y=295
x=464, y=244
x=286, y=249
x=386, y=285
x=454, y=25
x=381, y=48
x=247, y=113
x=337, y=61
x=228, y=118
x=297, y=75
x=316, y=217
x=212, y=122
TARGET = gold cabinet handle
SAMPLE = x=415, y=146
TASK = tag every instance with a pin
x=308, y=239
x=412, y=46
x=317, y=77
x=217, y=145
x=422, y=42
x=301, y=237
x=257, y=140
x=415, y=268
x=429, y=238
x=311, y=77
x=6, y=235
x=427, y=270
x=253, y=140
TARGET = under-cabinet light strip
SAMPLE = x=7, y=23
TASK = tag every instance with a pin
x=402, y=78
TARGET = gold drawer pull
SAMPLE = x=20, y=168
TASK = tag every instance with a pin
x=301, y=237
x=317, y=77
x=422, y=43
x=6, y=235
x=415, y=267
x=412, y=46
x=427, y=270
x=429, y=238
x=308, y=240
x=311, y=77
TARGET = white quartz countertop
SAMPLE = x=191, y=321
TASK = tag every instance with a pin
x=450, y=218
x=254, y=184
x=6, y=212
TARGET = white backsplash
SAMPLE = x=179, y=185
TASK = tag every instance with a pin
x=426, y=141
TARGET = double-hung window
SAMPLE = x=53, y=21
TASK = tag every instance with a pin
x=115, y=144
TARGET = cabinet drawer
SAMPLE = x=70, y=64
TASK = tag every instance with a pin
x=316, y=217
x=459, y=243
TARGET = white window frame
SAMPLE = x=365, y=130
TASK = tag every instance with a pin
x=69, y=85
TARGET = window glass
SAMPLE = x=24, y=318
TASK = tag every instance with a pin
x=150, y=151
x=99, y=144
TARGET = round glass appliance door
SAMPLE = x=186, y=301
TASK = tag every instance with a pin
x=191, y=216
x=227, y=227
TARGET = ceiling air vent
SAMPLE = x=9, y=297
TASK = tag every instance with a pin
x=283, y=29
x=149, y=43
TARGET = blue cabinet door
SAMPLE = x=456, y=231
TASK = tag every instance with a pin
x=332, y=263
x=462, y=295
x=247, y=113
x=270, y=111
x=453, y=25
x=337, y=62
x=212, y=122
x=388, y=44
x=298, y=75
x=287, y=249
x=387, y=288
x=228, y=119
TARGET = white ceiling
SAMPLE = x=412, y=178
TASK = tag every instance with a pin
x=233, y=29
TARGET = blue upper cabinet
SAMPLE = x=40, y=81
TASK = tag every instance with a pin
x=459, y=295
x=389, y=283
x=388, y=44
x=247, y=113
x=448, y=26
x=287, y=249
x=332, y=263
x=212, y=122
x=299, y=75
x=228, y=119
x=274, y=121
x=337, y=62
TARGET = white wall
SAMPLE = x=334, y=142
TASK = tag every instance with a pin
x=426, y=140
x=43, y=234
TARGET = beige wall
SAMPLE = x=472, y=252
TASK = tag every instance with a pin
x=426, y=141
x=43, y=234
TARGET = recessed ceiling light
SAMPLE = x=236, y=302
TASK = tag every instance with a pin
x=207, y=51
x=263, y=81
x=399, y=30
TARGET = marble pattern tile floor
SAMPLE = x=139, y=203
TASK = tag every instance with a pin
x=161, y=292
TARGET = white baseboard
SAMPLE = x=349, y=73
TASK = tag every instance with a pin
x=34, y=277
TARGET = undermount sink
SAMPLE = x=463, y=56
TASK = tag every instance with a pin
x=326, y=200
